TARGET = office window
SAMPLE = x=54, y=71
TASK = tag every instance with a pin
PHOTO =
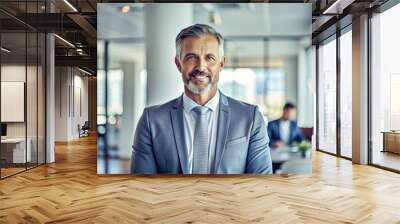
x=265, y=88
x=327, y=96
x=275, y=95
x=114, y=92
x=385, y=85
x=262, y=72
x=346, y=94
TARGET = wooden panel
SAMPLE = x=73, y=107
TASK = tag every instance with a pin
x=92, y=101
x=392, y=142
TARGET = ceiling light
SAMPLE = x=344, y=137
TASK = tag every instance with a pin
x=70, y=5
x=79, y=51
x=84, y=71
x=64, y=40
x=5, y=50
x=337, y=7
x=125, y=9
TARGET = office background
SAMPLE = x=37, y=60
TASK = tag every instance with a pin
x=340, y=190
x=44, y=94
x=376, y=109
x=267, y=65
x=22, y=94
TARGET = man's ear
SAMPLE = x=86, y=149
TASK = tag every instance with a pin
x=222, y=63
x=178, y=64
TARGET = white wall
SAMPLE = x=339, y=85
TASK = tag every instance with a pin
x=69, y=85
x=33, y=126
x=12, y=73
x=61, y=103
x=79, y=117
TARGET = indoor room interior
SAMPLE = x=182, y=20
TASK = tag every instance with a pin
x=66, y=69
x=265, y=65
x=24, y=66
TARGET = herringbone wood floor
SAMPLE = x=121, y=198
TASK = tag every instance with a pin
x=70, y=191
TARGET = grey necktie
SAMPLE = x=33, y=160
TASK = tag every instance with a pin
x=200, y=142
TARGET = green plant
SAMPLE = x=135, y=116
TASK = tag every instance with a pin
x=303, y=146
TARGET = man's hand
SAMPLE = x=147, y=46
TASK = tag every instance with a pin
x=278, y=144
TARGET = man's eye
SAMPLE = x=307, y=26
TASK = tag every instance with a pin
x=190, y=57
x=211, y=58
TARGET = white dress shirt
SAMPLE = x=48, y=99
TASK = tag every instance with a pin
x=284, y=128
x=189, y=123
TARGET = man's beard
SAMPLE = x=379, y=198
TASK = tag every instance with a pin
x=197, y=89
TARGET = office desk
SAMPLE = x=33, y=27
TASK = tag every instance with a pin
x=280, y=156
x=13, y=150
x=391, y=141
x=287, y=153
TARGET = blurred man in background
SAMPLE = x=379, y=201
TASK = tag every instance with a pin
x=284, y=131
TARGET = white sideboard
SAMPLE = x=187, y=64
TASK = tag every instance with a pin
x=18, y=148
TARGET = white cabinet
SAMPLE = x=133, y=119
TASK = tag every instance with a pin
x=18, y=149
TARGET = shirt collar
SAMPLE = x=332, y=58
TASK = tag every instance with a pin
x=189, y=104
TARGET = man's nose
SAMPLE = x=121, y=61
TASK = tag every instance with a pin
x=201, y=65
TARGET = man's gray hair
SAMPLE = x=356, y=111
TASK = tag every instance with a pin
x=198, y=30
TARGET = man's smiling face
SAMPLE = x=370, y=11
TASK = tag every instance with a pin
x=200, y=63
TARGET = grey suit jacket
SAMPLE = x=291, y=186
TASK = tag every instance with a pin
x=241, y=146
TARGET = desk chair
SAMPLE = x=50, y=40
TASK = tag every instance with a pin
x=84, y=130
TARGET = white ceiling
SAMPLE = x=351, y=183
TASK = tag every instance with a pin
x=288, y=24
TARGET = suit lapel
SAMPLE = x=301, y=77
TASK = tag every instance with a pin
x=222, y=130
x=278, y=129
x=178, y=129
x=291, y=128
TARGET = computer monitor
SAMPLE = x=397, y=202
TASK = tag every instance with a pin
x=3, y=129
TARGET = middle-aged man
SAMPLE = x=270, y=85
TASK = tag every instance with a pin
x=202, y=131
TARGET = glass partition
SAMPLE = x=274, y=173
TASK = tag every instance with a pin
x=327, y=96
x=23, y=91
x=385, y=89
x=31, y=98
x=13, y=105
x=41, y=97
